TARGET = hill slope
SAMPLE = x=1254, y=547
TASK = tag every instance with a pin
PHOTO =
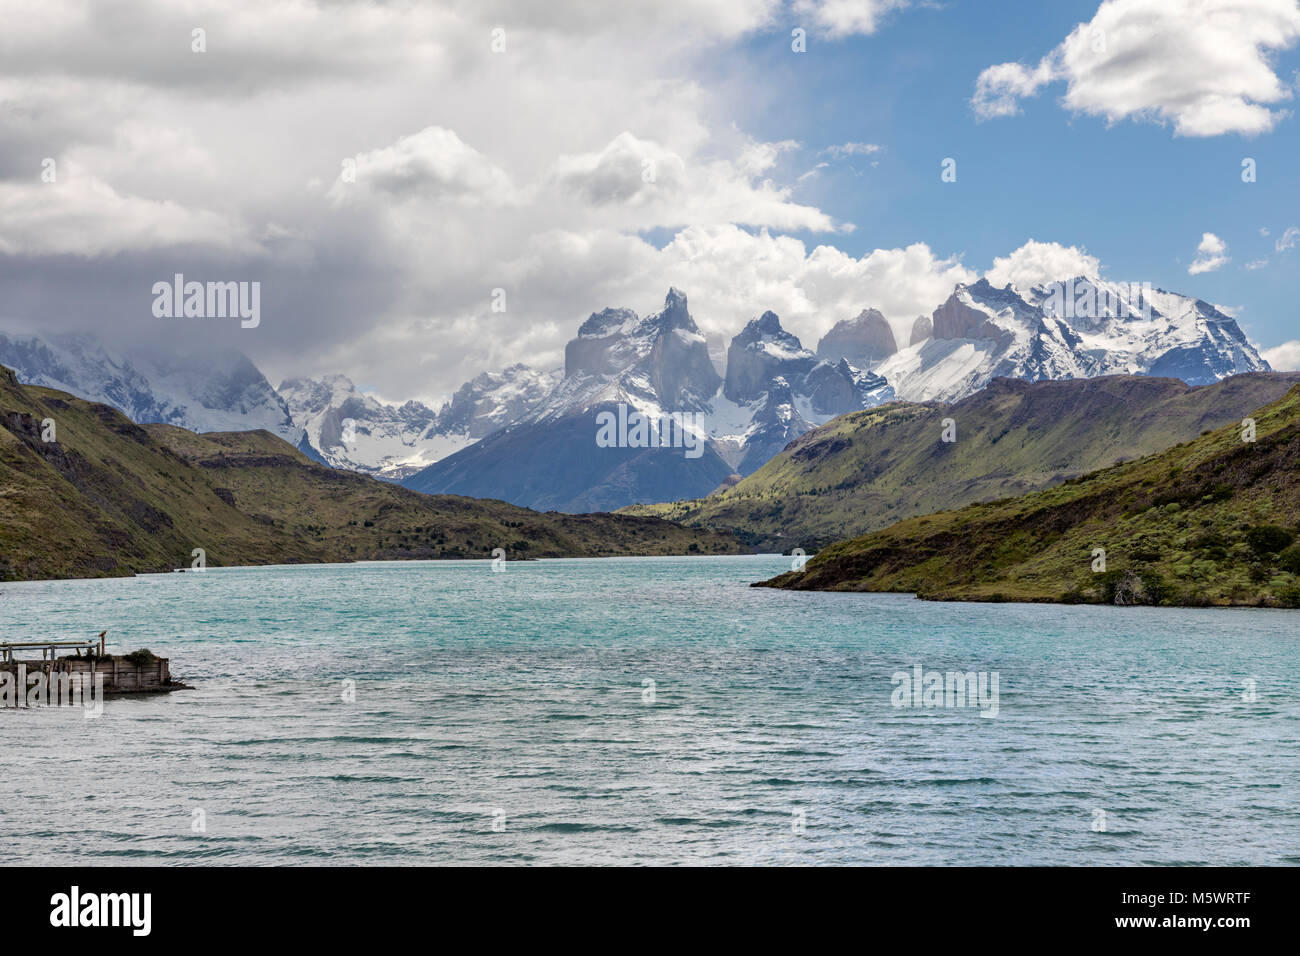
x=355, y=516
x=867, y=470
x=1212, y=521
x=109, y=497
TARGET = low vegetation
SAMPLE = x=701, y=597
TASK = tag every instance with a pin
x=1212, y=521
x=108, y=497
x=871, y=469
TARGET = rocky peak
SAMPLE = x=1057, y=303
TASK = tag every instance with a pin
x=761, y=352
x=839, y=388
x=922, y=329
x=865, y=340
x=664, y=350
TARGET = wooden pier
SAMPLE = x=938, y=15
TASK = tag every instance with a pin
x=139, y=672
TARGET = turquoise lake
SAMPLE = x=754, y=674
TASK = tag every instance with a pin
x=646, y=711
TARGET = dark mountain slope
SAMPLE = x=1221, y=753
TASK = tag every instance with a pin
x=108, y=497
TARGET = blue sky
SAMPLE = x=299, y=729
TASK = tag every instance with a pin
x=1131, y=193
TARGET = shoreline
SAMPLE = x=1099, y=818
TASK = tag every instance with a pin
x=386, y=561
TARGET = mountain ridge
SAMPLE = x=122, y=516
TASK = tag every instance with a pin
x=89, y=493
x=864, y=471
x=1208, y=522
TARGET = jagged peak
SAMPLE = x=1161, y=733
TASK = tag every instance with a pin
x=675, y=314
x=767, y=328
x=607, y=321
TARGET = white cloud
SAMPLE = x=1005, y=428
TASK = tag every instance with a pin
x=999, y=89
x=82, y=216
x=1202, y=65
x=1036, y=263
x=707, y=19
x=433, y=164
x=732, y=275
x=842, y=18
x=1211, y=254
x=1256, y=264
x=852, y=149
x=1288, y=240
x=1284, y=357
x=641, y=184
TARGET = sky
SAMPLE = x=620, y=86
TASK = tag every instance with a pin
x=426, y=191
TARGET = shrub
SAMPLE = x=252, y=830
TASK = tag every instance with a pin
x=1289, y=560
x=1268, y=539
x=142, y=657
x=1289, y=596
x=1208, y=540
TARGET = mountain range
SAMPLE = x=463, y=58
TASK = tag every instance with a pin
x=356, y=431
x=529, y=436
x=88, y=493
x=656, y=366
x=1077, y=328
x=212, y=391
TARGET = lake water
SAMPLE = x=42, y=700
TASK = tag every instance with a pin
x=509, y=718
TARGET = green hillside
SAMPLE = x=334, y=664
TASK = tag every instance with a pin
x=108, y=497
x=1213, y=521
x=354, y=516
x=870, y=469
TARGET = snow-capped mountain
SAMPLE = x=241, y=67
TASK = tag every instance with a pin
x=785, y=390
x=658, y=367
x=221, y=391
x=358, y=432
x=774, y=389
x=621, y=365
x=531, y=437
x=1078, y=328
x=494, y=400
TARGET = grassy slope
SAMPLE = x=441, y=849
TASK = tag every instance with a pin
x=110, y=497
x=354, y=516
x=1180, y=526
x=869, y=469
x=105, y=498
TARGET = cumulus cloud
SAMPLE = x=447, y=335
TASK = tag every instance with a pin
x=433, y=164
x=644, y=184
x=1202, y=65
x=999, y=89
x=82, y=216
x=1036, y=263
x=1284, y=357
x=732, y=275
x=842, y=18
x=1211, y=254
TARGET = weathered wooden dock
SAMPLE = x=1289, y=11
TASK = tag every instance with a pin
x=139, y=672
